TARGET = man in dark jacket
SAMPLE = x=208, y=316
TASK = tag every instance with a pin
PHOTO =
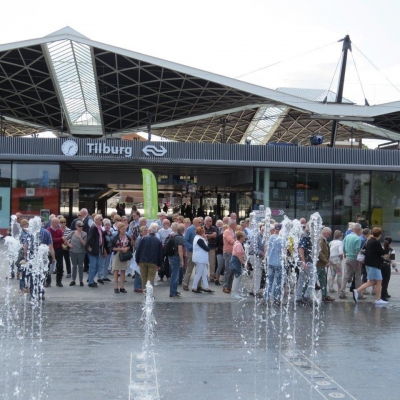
x=95, y=249
x=149, y=254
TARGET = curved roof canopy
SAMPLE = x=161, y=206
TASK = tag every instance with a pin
x=69, y=84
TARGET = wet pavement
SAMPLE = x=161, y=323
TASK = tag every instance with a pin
x=79, y=345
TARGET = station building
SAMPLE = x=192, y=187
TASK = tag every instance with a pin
x=227, y=145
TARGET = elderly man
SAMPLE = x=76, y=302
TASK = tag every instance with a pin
x=229, y=238
x=257, y=253
x=211, y=236
x=149, y=255
x=95, y=249
x=323, y=263
x=218, y=225
x=176, y=261
x=87, y=223
x=57, y=236
x=351, y=248
x=161, y=218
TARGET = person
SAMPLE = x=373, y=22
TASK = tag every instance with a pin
x=163, y=233
x=373, y=262
x=107, y=235
x=121, y=243
x=74, y=222
x=219, y=249
x=257, y=253
x=189, y=237
x=149, y=255
x=176, y=260
x=66, y=232
x=229, y=237
x=387, y=263
x=349, y=229
x=335, y=261
x=361, y=221
x=165, y=208
x=305, y=284
x=25, y=238
x=58, y=240
x=274, y=272
x=211, y=236
x=236, y=264
x=77, y=249
x=95, y=249
x=116, y=220
x=200, y=258
x=161, y=217
x=87, y=223
x=14, y=231
x=323, y=263
x=351, y=248
x=137, y=282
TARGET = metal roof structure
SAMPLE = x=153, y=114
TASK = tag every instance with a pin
x=69, y=84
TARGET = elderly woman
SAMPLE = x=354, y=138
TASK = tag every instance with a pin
x=121, y=243
x=373, y=263
x=236, y=263
x=335, y=261
x=200, y=258
x=77, y=242
x=66, y=232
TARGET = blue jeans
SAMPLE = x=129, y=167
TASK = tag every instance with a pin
x=137, y=282
x=105, y=262
x=174, y=267
x=306, y=281
x=94, y=266
x=180, y=275
x=274, y=272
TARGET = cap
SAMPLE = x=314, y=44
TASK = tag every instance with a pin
x=278, y=227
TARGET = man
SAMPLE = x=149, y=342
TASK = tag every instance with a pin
x=48, y=223
x=189, y=237
x=163, y=233
x=87, y=223
x=257, y=253
x=95, y=249
x=149, y=255
x=225, y=220
x=211, y=236
x=73, y=223
x=57, y=237
x=323, y=263
x=229, y=238
x=305, y=283
x=219, y=224
x=351, y=248
x=233, y=216
x=176, y=261
x=274, y=273
x=161, y=218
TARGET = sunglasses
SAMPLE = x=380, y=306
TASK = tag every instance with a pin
x=62, y=222
x=79, y=226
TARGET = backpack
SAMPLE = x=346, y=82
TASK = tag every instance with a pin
x=169, y=246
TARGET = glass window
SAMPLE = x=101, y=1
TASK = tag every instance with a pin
x=5, y=183
x=385, y=203
x=351, y=197
x=35, y=189
x=276, y=189
x=314, y=194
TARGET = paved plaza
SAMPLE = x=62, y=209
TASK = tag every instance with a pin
x=80, y=343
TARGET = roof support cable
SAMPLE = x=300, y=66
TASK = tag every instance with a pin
x=376, y=68
x=333, y=77
x=359, y=79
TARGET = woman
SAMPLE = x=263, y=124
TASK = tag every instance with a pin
x=66, y=233
x=335, y=260
x=373, y=263
x=114, y=227
x=236, y=263
x=107, y=236
x=77, y=242
x=200, y=258
x=219, y=246
x=386, y=267
x=121, y=244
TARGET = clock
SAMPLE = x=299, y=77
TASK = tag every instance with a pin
x=69, y=147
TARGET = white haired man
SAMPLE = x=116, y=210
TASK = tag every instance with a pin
x=149, y=254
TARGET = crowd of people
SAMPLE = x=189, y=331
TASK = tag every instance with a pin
x=173, y=247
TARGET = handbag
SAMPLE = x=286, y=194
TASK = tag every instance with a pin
x=125, y=256
x=361, y=257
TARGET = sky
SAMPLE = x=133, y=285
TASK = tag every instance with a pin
x=234, y=38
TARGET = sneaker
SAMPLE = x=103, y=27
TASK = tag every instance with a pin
x=355, y=295
x=380, y=302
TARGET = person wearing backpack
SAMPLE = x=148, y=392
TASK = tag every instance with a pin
x=174, y=250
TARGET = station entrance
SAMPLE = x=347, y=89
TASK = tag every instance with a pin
x=102, y=188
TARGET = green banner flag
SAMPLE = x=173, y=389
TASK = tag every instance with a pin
x=150, y=194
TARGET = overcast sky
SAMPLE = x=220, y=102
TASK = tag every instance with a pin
x=233, y=37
